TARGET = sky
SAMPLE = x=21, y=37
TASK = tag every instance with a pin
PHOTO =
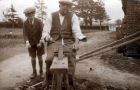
x=113, y=7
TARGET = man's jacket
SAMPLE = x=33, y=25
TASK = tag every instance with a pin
x=33, y=32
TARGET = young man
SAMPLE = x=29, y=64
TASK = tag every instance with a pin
x=62, y=27
x=32, y=31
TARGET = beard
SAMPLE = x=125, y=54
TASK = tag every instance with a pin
x=63, y=12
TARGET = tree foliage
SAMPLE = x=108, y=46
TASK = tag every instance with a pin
x=41, y=9
x=11, y=17
x=89, y=10
x=10, y=14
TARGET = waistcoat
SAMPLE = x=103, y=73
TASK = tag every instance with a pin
x=64, y=31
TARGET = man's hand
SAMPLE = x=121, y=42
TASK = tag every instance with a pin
x=28, y=44
x=75, y=46
x=40, y=43
x=47, y=39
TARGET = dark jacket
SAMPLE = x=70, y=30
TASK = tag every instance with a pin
x=33, y=32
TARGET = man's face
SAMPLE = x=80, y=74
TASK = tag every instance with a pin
x=30, y=16
x=64, y=9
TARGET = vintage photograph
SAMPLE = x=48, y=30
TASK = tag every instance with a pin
x=69, y=44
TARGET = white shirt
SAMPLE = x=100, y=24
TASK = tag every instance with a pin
x=75, y=27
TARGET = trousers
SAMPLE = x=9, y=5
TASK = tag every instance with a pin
x=71, y=56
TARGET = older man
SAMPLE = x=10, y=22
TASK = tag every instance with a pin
x=32, y=31
x=62, y=27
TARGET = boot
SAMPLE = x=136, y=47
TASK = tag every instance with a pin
x=34, y=74
x=45, y=84
x=41, y=74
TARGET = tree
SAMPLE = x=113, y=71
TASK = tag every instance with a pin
x=11, y=16
x=89, y=10
x=85, y=9
x=100, y=12
x=41, y=10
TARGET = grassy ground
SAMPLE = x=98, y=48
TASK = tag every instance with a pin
x=120, y=62
x=11, y=46
x=10, y=49
x=16, y=31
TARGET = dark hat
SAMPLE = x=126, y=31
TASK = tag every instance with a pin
x=29, y=10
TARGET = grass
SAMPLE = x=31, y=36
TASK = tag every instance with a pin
x=16, y=31
x=11, y=46
x=4, y=43
x=8, y=52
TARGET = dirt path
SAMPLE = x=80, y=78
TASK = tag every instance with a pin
x=18, y=69
x=14, y=70
x=96, y=70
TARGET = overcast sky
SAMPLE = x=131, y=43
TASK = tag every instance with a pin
x=113, y=7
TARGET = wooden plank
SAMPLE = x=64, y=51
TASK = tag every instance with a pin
x=66, y=81
x=59, y=81
x=60, y=52
x=53, y=87
x=59, y=66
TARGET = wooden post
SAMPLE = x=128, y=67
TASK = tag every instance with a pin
x=108, y=49
x=59, y=68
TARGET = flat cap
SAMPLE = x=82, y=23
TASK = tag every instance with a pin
x=29, y=10
x=68, y=2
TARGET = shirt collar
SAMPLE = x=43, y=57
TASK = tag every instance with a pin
x=32, y=21
x=61, y=15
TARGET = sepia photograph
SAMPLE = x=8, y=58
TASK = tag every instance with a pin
x=69, y=44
